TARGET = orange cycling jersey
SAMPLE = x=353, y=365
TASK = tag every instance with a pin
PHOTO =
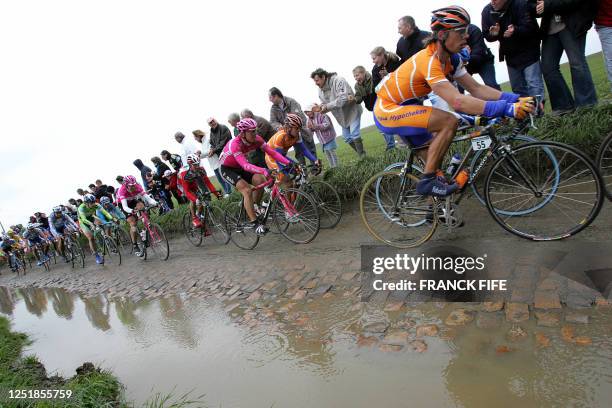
x=282, y=142
x=399, y=108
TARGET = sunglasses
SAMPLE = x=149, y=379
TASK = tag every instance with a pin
x=461, y=30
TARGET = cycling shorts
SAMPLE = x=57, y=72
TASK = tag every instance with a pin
x=233, y=175
x=408, y=121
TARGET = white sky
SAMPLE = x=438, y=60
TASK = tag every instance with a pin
x=87, y=87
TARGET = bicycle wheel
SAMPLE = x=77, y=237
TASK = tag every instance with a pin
x=194, y=235
x=236, y=222
x=604, y=164
x=112, y=253
x=296, y=215
x=327, y=200
x=214, y=222
x=78, y=255
x=394, y=213
x=158, y=242
x=553, y=173
x=122, y=239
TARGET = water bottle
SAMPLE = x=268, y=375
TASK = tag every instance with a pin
x=454, y=163
x=143, y=235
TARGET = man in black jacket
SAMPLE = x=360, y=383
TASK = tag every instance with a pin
x=219, y=136
x=564, y=28
x=160, y=167
x=512, y=24
x=143, y=171
x=412, y=39
x=482, y=61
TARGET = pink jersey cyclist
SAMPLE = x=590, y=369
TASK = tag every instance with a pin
x=130, y=193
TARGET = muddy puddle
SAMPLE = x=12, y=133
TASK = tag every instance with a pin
x=327, y=352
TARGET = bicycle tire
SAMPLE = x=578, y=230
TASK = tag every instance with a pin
x=327, y=200
x=158, y=242
x=194, y=235
x=79, y=254
x=214, y=219
x=122, y=238
x=300, y=208
x=557, y=210
x=111, y=251
x=377, y=206
x=604, y=155
x=235, y=219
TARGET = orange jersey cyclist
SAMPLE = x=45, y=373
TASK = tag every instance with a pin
x=399, y=108
x=287, y=137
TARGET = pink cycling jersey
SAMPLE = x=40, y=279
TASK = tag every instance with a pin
x=234, y=154
x=124, y=194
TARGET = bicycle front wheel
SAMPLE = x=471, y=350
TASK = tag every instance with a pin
x=556, y=182
x=327, y=200
x=194, y=235
x=214, y=222
x=237, y=224
x=158, y=242
x=394, y=213
x=296, y=215
x=604, y=164
x=112, y=253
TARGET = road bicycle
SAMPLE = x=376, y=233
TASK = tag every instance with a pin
x=604, y=164
x=212, y=219
x=72, y=249
x=106, y=245
x=44, y=260
x=324, y=194
x=151, y=236
x=538, y=190
x=294, y=214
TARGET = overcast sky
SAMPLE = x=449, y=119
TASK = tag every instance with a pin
x=87, y=87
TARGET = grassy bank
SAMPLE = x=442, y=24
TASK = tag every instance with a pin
x=91, y=387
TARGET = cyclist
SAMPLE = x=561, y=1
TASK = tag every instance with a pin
x=59, y=224
x=114, y=212
x=87, y=218
x=192, y=179
x=237, y=171
x=9, y=246
x=289, y=136
x=399, y=109
x=34, y=236
x=132, y=197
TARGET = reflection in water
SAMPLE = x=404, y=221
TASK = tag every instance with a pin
x=35, y=300
x=176, y=321
x=63, y=302
x=7, y=302
x=126, y=313
x=97, y=310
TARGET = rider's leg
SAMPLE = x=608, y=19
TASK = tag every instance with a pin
x=245, y=189
x=444, y=125
x=90, y=240
x=131, y=220
x=257, y=194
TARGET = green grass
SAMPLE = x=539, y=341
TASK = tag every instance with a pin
x=92, y=388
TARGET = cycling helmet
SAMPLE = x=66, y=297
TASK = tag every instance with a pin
x=105, y=200
x=193, y=158
x=293, y=120
x=246, y=124
x=31, y=226
x=449, y=18
x=89, y=198
x=57, y=209
x=129, y=180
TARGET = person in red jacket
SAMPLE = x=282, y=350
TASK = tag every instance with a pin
x=191, y=180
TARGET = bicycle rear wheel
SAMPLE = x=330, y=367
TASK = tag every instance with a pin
x=112, y=253
x=327, y=200
x=157, y=241
x=604, y=164
x=194, y=235
x=237, y=226
x=214, y=222
x=122, y=239
x=296, y=215
x=394, y=213
x=556, y=175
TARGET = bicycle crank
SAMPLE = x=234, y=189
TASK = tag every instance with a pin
x=450, y=215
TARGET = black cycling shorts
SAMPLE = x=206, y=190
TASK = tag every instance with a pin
x=233, y=175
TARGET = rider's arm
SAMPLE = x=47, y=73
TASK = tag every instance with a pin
x=125, y=206
x=83, y=217
x=251, y=168
x=460, y=103
x=52, y=229
x=273, y=154
x=186, y=190
x=306, y=151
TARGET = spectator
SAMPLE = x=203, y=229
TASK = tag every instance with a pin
x=213, y=160
x=171, y=186
x=603, y=25
x=174, y=159
x=364, y=92
x=511, y=23
x=143, y=171
x=564, y=28
x=233, y=120
x=160, y=167
x=265, y=130
x=82, y=192
x=281, y=106
x=158, y=192
x=219, y=136
x=187, y=147
x=102, y=190
x=322, y=126
x=334, y=94
x=412, y=39
x=482, y=61
x=384, y=63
